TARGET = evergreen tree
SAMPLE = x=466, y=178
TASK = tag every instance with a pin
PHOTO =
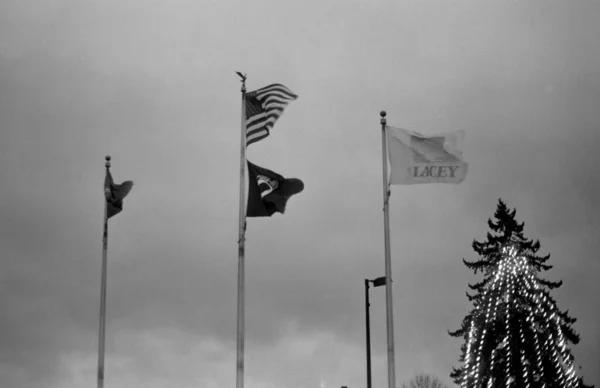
x=515, y=335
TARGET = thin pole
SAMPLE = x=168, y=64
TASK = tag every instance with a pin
x=241, y=245
x=389, y=306
x=368, y=329
x=103, y=291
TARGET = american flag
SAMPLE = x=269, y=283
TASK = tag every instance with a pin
x=263, y=108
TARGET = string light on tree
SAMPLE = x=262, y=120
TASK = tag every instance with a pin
x=515, y=335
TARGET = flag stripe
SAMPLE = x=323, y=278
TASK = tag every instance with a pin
x=264, y=122
x=277, y=88
x=263, y=108
x=257, y=137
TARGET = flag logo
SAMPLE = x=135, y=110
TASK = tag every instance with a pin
x=263, y=107
x=266, y=185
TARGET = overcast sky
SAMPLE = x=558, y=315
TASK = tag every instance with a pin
x=152, y=84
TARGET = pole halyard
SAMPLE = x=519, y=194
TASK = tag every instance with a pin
x=102, y=325
x=241, y=247
x=388, y=262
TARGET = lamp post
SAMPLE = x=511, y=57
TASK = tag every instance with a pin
x=376, y=283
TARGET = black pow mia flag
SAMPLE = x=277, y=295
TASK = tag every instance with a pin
x=268, y=192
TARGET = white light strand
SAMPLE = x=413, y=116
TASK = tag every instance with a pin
x=557, y=365
x=468, y=354
x=524, y=361
x=493, y=359
x=522, y=269
x=507, y=338
x=476, y=365
x=564, y=353
x=535, y=326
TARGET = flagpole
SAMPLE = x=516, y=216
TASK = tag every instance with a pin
x=103, y=290
x=388, y=262
x=241, y=248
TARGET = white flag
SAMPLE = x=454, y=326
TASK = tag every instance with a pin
x=417, y=159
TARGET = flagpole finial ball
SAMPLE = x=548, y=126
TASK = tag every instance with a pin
x=107, y=158
x=382, y=113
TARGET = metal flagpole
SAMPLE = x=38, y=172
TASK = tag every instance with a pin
x=103, y=289
x=241, y=242
x=388, y=263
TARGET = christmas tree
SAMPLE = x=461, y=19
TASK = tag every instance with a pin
x=515, y=335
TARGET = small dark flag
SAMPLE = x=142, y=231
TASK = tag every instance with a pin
x=114, y=194
x=379, y=282
x=268, y=192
